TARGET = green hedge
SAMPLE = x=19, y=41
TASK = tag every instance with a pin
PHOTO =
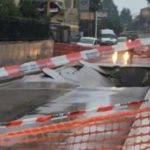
x=14, y=29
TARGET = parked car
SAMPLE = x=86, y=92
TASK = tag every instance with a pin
x=75, y=38
x=122, y=38
x=127, y=37
x=88, y=41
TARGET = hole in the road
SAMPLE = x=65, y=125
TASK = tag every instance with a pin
x=129, y=76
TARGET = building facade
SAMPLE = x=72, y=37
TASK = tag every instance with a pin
x=145, y=12
x=71, y=15
x=67, y=15
x=64, y=12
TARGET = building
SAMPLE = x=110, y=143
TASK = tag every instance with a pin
x=71, y=15
x=64, y=12
x=145, y=12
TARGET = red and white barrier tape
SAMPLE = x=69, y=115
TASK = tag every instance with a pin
x=68, y=115
x=86, y=55
x=34, y=66
x=11, y=71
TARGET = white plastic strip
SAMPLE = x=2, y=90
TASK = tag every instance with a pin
x=145, y=41
x=30, y=67
x=3, y=73
x=60, y=60
x=90, y=54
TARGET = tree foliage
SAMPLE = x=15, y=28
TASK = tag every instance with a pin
x=27, y=9
x=8, y=8
x=148, y=1
x=113, y=15
x=95, y=5
x=140, y=23
x=125, y=17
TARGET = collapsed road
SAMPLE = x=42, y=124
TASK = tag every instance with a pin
x=75, y=86
x=83, y=85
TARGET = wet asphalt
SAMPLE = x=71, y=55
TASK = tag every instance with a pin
x=83, y=88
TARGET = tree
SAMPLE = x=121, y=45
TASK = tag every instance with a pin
x=125, y=17
x=113, y=15
x=148, y=1
x=95, y=5
x=8, y=8
x=28, y=9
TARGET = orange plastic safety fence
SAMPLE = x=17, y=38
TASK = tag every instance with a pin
x=122, y=130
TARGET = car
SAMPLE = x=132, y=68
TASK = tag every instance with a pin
x=75, y=38
x=88, y=41
x=127, y=37
x=122, y=38
x=108, y=37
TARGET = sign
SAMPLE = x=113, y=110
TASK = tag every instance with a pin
x=101, y=14
x=84, y=5
x=87, y=16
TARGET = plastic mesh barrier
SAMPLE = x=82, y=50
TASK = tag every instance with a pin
x=125, y=130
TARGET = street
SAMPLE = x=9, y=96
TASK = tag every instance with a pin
x=74, y=75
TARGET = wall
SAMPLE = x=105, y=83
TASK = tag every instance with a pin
x=64, y=49
x=20, y=52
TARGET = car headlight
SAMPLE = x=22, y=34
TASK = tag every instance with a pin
x=115, y=57
x=129, y=40
x=126, y=58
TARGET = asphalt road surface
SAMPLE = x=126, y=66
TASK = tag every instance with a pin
x=36, y=95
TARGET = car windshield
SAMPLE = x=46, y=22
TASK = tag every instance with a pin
x=122, y=38
x=87, y=40
x=108, y=36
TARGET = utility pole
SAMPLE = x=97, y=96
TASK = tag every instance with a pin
x=48, y=6
x=96, y=22
x=79, y=13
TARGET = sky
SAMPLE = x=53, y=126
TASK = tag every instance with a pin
x=133, y=5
